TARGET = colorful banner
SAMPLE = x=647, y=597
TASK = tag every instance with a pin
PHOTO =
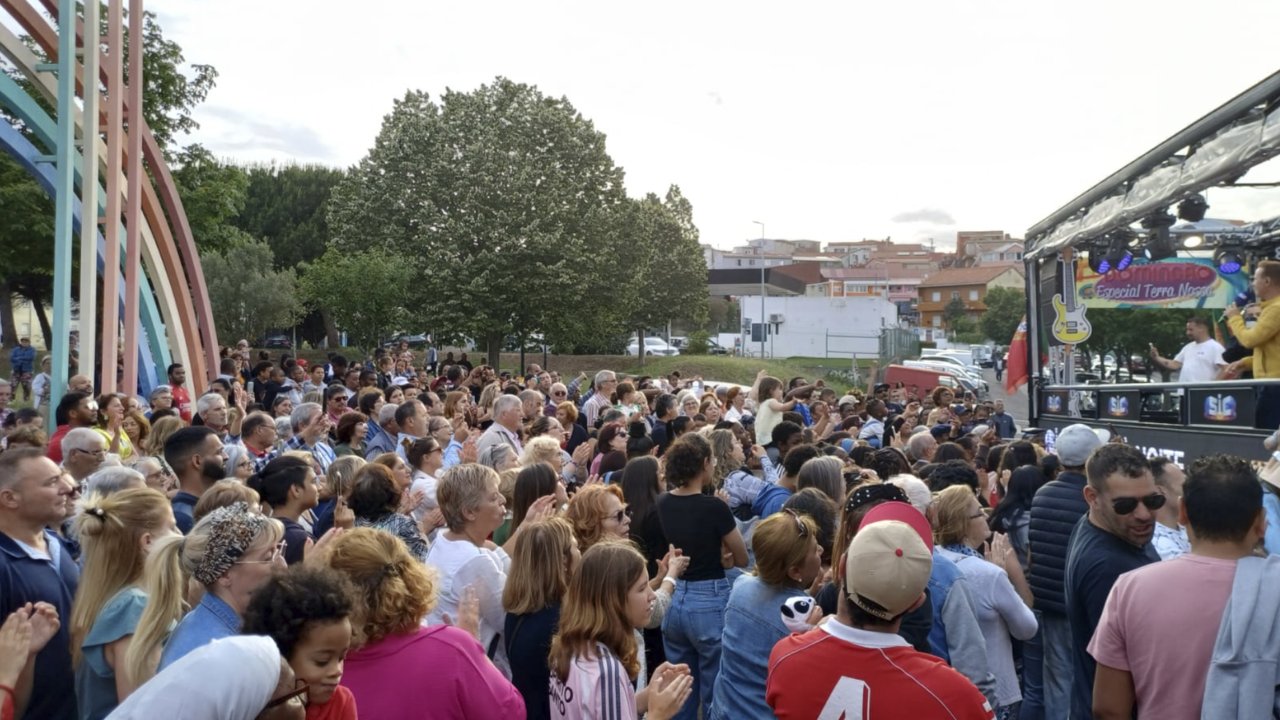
x=1016, y=374
x=1173, y=283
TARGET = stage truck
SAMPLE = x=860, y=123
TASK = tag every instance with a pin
x=1145, y=239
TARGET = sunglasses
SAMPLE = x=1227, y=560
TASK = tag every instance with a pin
x=619, y=516
x=1126, y=505
x=800, y=526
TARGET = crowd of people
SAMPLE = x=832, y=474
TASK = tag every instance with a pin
x=406, y=539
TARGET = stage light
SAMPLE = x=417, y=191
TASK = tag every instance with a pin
x=1159, y=244
x=1228, y=261
x=1118, y=256
x=1192, y=209
x=1191, y=242
x=1097, y=261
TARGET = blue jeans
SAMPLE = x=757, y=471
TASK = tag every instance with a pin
x=691, y=633
x=1033, y=674
x=1055, y=635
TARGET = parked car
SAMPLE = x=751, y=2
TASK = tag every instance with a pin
x=972, y=382
x=652, y=346
x=416, y=340
x=715, y=348
x=277, y=341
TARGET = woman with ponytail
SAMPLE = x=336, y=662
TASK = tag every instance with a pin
x=231, y=552
x=288, y=485
x=400, y=669
x=116, y=533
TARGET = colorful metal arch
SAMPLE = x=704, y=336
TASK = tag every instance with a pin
x=175, y=316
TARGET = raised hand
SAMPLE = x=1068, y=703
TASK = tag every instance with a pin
x=343, y=516
x=15, y=646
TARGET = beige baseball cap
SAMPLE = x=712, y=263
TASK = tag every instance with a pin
x=887, y=568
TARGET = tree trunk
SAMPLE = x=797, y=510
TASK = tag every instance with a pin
x=45, y=328
x=8, y=330
x=494, y=344
x=640, y=345
x=330, y=330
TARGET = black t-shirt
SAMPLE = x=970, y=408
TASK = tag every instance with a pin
x=1095, y=559
x=696, y=524
x=527, y=639
x=647, y=533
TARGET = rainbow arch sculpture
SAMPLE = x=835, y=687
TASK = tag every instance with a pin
x=145, y=256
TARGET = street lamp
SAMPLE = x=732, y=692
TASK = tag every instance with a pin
x=762, y=290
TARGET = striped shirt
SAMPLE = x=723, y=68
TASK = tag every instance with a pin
x=598, y=688
x=320, y=451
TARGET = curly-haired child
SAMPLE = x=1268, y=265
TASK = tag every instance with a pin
x=307, y=610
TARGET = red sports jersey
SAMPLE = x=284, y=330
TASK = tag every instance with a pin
x=837, y=672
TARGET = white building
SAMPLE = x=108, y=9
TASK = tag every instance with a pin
x=808, y=326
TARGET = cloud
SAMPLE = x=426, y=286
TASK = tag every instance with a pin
x=925, y=215
x=240, y=131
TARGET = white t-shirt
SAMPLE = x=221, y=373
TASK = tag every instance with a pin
x=1200, y=361
x=462, y=564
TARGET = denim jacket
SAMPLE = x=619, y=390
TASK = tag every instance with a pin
x=752, y=626
x=208, y=621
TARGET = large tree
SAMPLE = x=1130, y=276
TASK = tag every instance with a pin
x=249, y=297
x=285, y=205
x=1005, y=309
x=496, y=195
x=363, y=290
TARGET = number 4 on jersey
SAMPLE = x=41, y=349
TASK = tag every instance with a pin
x=849, y=700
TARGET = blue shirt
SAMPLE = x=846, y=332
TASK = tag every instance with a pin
x=27, y=576
x=95, y=679
x=210, y=620
x=752, y=626
x=320, y=451
x=184, y=510
x=23, y=359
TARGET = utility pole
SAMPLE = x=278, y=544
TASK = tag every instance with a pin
x=760, y=254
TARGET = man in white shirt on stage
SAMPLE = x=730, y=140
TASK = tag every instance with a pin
x=1200, y=360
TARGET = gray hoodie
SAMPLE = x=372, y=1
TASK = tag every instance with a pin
x=1245, y=670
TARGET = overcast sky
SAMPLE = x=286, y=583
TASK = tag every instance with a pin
x=829, y=121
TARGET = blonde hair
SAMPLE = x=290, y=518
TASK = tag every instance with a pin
x=160, y=432
x=586, y=508
x=341, y=475
x=461, y=489
x=722, y=444
x=144, y=426
x=170, y=565
x=540, y=566
x=595, y=608
x=227, y=491
x=507, y=485
x=488, y=395
x=394, y=590
x=779, y=545
x=540, y=449
x=110, y=528
x=952, y=507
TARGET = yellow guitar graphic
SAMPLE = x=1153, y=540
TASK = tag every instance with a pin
x=1070, y=326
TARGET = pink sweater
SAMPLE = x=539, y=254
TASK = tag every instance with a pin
x=433, y=673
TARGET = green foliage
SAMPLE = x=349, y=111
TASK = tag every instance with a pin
x=169, y=93
x=1126, y=332
x=213, y=194
x=248, y=296
x=365, y=292
x=504, y=194
x=699, y=343
x=954, y=314
x=724, y=315
x=285, y=206
x=1005, y=309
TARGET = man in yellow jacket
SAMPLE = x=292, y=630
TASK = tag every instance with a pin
x=1263, y=338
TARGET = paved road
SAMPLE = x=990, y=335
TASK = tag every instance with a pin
x=1015, y=405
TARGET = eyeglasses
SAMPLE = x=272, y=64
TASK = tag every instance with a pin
x=800, y=526
x=276, y=554
x=619, y=516
x=95, y=453
x=559, y=394
x=1126, y=505
x=299, y=694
